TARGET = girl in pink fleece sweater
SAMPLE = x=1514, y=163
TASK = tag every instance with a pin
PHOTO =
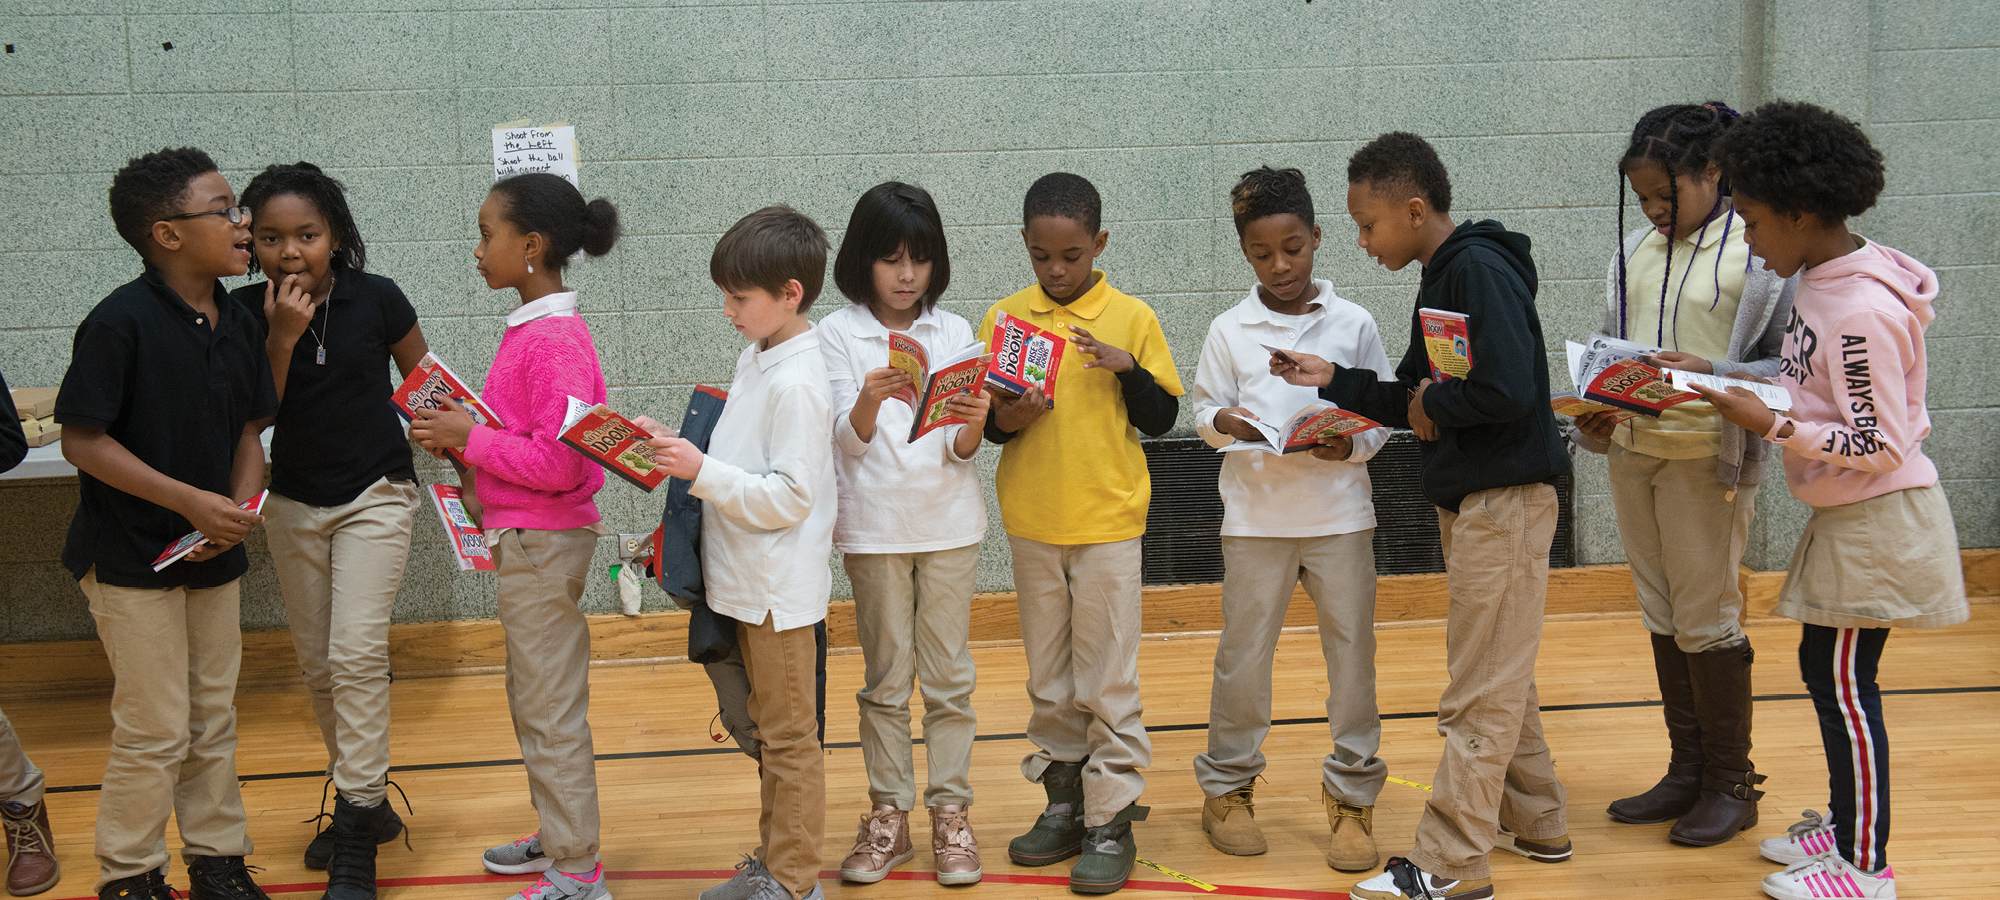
x=538, y=514
x=1880, y=550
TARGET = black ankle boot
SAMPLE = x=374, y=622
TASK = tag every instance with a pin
x=221, y=878
x=1058, y=832
x=150, y=886
x=350, y=875
x=320, y=851
x=1676, y=793
x=1728, y=802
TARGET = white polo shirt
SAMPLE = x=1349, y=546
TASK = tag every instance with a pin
x=896, y=496
x=767, y=491
x=1295, y=495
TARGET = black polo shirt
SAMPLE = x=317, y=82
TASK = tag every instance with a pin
x=149, y=370
x=337, y=432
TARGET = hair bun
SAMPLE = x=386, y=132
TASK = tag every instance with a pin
x=600, y=227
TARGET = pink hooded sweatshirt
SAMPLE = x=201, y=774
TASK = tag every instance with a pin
x=1854, y=364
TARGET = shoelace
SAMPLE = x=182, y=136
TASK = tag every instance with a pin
x=1347, y=811
x=26, y=837
x=1824, y=878
x=234, y=880
x=1241, y=798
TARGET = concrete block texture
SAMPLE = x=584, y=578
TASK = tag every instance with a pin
x=691, y=113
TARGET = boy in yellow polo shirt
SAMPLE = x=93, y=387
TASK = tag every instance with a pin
x=1073, y=494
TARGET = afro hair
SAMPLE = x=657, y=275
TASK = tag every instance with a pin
x=1797, y=157
x=1401, y=161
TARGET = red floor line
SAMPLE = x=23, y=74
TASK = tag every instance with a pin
x=1172, y=887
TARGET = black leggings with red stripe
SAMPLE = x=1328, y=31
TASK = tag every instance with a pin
x=1838, y=665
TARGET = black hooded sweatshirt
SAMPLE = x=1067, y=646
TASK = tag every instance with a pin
x=1495, y=426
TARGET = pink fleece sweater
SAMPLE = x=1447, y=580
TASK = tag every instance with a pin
x=1854, y=364
x=526, y=477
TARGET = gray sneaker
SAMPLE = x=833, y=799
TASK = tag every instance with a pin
x=754, y=882
x=555, y=885
x=518, y=858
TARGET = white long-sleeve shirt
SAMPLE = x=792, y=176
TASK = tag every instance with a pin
x=1295, y=495
x=767, y=489
x=885, y=479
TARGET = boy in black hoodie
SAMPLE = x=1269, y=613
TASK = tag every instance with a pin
x=1491, y=456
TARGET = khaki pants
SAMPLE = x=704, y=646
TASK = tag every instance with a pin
x=340, y=567
x=174, y=653
x=548, y=682
x=783, y=703
x=1683, y=541
x=1080, y=627
x=1339, y=575
x=20, y=781
x=912, y=613
x=1496, y=771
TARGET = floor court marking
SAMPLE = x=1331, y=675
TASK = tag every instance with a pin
x=1011, y=736
x=830, y=875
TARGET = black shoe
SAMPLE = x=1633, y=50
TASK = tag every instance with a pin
x=221, y=878
x=1108, y=853
x=351, y=873
x=320, y=851
x=150, y=886
x=1058, y=832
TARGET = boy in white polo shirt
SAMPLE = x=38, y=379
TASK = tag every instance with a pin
x=767, y=491
x=1303, y=516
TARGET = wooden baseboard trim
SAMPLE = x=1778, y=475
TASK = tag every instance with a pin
x=474, y=646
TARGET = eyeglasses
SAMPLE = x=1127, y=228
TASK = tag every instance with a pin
x=237, y=214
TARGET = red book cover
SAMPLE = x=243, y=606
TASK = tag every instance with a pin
x=1633, y=385
x=193, y=540
x=963, y=377
x=1447, y=341
x=1308, y=425
x=613, y=441
x=468, y=543
x=428, y=386
x=1023, y=355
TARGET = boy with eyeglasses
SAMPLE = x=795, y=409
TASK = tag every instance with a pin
x=167, y=391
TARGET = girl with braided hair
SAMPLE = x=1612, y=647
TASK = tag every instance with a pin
x=1685, y=484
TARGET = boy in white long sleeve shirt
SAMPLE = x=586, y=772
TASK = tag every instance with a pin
x=768, y=505
x=1286, y=518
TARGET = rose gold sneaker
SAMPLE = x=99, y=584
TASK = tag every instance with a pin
x=953, y=846
x=883, y=843
x=1352, y=848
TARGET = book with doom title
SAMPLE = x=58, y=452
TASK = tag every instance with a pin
x=1024, y=355
x=429, y=385
x=1304, y=429
x=193, y=540
x=1447, y=341
x=468, y=542
x=612, y=441
x=1632, y=385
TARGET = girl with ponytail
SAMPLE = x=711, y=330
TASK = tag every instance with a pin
x=1685, y=484
x=535, y=503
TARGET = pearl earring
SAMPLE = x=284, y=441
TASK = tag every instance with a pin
x=531, y=267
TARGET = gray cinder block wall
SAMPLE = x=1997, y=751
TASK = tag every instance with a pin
x=690, y=114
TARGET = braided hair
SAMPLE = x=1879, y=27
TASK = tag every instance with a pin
x=305, y=180
x=1680, y=139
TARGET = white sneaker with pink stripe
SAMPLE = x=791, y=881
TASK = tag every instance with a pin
x=1830, y=877
x=1809, y=837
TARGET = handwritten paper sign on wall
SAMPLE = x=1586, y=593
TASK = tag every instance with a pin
x=520, y=148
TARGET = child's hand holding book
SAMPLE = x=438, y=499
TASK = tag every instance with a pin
x=220, y=520
x=446, y=428
x=1235, y=422
x=1012, y=414
x=677, y=456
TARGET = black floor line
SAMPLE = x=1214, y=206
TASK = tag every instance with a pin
x=726, y=749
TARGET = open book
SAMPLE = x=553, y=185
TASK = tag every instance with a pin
x=1773, y=396
x=1613, y=374
x=1447, y=341
x=193, y=540
x=930, y=390
x=1024, y=355
x=468, y=543
x=427, y=387
x=1569, y=404
x=1304, y=429
x=612, y=441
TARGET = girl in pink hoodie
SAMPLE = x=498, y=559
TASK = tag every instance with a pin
x=1880, y=550
x=536, y=507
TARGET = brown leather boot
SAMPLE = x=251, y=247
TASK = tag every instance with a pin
x=1230, y=821
x=1676, y=793
x=31, y=854
x=953, y=846
x=883, y=843
x=1352, y=848
x=1728, y=801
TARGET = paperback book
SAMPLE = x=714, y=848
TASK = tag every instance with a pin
x=929, y=391
x=1632, y=385
x=428, y=386
x=612, y=441
x=1024, y=355
x=1569, y=404
x=1304, y=429
x=193, y=540
x=468, y=543
x=1447, y=341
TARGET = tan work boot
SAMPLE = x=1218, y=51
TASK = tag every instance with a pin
x=954, y=848
x=883, y=843
x=1230, y=821
x=1353, y=845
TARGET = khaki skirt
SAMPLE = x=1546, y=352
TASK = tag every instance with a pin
x=1884, y=562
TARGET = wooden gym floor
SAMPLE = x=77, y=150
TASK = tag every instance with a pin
x=678, y=808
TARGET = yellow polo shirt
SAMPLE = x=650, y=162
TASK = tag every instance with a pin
x=1700, y=313
x=1078, y=475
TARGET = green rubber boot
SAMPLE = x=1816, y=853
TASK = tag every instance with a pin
x=1058, y=834
x=1108, y=852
